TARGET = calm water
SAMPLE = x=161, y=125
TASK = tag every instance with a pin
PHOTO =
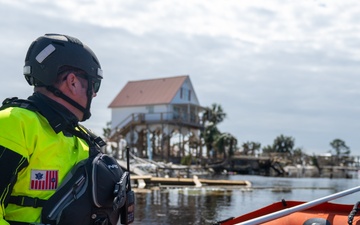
x=206, y=206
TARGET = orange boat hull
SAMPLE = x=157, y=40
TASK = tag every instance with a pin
x=323, y=214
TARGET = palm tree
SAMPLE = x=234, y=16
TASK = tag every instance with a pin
x=209, y=135
x=341, y=149
x=283, y=144
x=215, y=114
x=268, y=149
x=210, y=118
x=225, y=143
x=107, y=137
x=251, y=147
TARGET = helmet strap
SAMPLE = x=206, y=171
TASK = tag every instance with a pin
x=89, y=95
x=85, y=111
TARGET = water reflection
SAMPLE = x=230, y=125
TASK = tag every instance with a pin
x=197, y=206
x=181, y=206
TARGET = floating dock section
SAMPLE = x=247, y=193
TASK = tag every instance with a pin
x=144, y=181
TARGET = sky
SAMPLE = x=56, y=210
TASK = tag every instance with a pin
x=277, y=67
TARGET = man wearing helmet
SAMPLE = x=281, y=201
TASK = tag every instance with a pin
x=52, y=55
x=40, y=138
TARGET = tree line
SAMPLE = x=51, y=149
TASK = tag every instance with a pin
x=225, y=144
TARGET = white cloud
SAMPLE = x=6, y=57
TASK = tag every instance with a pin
x=275, y=66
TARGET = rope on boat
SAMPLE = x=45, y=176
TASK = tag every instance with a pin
x=353, y=212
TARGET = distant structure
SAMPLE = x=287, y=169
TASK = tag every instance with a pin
x=159, y=118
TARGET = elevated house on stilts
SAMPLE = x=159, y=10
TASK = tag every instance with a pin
x=159, y=119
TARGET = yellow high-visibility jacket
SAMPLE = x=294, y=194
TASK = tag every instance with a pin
x=30, y=148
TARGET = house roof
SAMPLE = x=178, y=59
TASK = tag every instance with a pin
x=148, y=92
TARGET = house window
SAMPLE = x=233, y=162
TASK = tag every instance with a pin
x=185, y=94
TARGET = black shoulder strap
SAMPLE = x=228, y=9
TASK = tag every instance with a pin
x=94, y=142
x=16, y=102
x=81, y=132
x=54, y=121
x=27, y=201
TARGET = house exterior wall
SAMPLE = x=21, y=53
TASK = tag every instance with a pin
x=122, y=116
x=182, y=95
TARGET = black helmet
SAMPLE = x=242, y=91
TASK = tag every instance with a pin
x=48, y=53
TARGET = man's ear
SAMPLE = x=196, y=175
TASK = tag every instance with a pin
x=71, y=82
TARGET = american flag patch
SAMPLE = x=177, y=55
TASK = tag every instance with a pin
x=44, y=179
